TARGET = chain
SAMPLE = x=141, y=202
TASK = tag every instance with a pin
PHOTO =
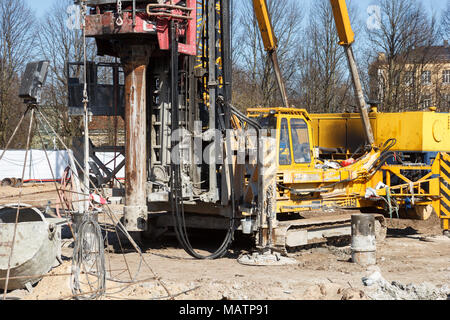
x=85, y=102
x=83, y=25
x=119, y=20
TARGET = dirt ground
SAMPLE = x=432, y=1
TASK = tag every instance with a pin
x=413, y=252
x=35, y=194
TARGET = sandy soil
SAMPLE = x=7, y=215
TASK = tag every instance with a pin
x=35, y=194
x=413, y=252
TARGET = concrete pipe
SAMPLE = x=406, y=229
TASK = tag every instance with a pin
x=363, y=239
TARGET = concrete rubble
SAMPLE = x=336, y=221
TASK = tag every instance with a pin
x=381, y=289
x=333, y=291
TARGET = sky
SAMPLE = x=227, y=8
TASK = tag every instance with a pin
x=433, y=5
x=40, y=6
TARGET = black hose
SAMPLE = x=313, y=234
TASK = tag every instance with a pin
x=384, y=155
x=180, y=223
x=382, y=160
x=176, y=192
x=177, y=201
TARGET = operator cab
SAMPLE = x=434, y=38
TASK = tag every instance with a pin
x=293, y=134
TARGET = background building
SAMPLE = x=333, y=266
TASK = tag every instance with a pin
x=414, y=80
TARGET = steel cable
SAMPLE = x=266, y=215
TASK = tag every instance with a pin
x=88, y=252
x=118, y=225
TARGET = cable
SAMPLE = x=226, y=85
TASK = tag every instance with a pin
x=179, y=217
x=88, y=252
x=176, y=193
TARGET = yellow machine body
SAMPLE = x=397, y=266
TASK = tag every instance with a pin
x=305, y=184
x=342, y=20
x=265, y=23
x=443, y=206
x=414, y=131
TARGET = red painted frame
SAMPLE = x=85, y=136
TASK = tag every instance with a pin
x=104, y=25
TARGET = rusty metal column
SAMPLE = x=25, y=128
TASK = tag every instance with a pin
x=135, y=59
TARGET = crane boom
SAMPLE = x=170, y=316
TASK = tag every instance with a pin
x=347, y=38
x=270, y=43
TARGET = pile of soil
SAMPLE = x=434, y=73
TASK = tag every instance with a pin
x=405, y=227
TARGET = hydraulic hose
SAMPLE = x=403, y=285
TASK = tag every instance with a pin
x=176, y=192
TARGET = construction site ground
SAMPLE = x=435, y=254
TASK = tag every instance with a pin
x=413, y=252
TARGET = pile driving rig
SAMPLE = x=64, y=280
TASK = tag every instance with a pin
x=194, y=161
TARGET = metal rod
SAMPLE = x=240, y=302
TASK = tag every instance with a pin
x=281, y=85
x=168, y=15
x=212, y=90
x=86, y=113
x=226, y=52
x=168, y=6
x=359, y=95
x=14, y=134
x=86, y=158
x=134, y=14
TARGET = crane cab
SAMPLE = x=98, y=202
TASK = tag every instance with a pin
x=304, y=181
x=293, y=132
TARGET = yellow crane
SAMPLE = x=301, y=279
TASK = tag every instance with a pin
x=270, y=44
x=304, y=183
x=347, y=38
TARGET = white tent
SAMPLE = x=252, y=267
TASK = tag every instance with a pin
x=37, y=166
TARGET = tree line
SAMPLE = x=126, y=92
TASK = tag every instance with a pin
x=313, y=64
x=400, y=45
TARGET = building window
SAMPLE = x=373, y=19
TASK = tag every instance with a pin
x=409, y=97
x=426, y=77
x=427, y=101
x=446, y=76
x=446, y=101
x=409, y=78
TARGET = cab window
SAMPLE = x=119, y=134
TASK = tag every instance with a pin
x=285, y=147
x=267, y=122
x=300, y=141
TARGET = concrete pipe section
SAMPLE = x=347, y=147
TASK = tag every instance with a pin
x=364, y=249
x=37, y=246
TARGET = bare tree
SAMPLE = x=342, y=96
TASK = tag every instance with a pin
x=402, y=46
x=255, y=84
x=16, y=45
x=60, y=44
x=446, y=21
x=323, y=78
